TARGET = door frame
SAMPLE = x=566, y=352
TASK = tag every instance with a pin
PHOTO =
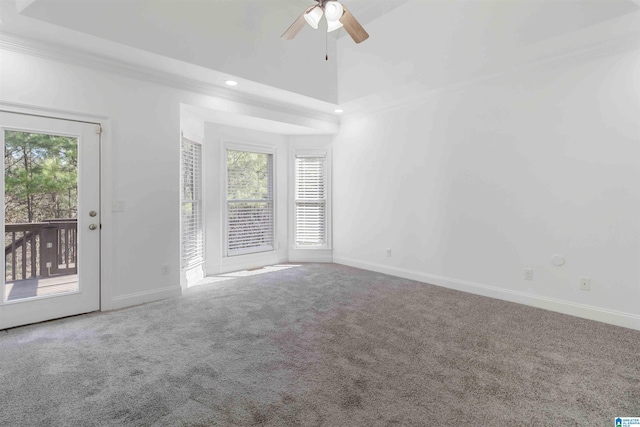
x=106, y=188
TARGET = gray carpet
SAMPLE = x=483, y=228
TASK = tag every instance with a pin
x=320, y=345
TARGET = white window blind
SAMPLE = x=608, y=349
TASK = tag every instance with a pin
x=249, y=202
x=191, y=199
x=310, y=200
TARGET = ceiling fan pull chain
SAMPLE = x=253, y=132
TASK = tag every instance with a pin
x=326, y=46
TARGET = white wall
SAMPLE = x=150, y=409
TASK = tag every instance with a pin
x=471, y=185
x=143, y=162
x=143, y=158
x=467, y=186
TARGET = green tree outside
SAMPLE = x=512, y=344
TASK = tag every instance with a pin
x=41, y=177
x=249, y=199
x=248, y=175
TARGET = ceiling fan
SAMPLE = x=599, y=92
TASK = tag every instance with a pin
x=337, y=15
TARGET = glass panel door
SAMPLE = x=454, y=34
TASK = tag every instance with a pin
x=51, y=185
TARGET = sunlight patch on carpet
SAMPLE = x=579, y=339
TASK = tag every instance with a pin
x=262, y=270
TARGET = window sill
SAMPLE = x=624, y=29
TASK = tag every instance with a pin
x=250, y=251
x=315, y=254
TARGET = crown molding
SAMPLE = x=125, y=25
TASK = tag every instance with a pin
x=586, y=53
x=372, y=105
x=566, y=58
x=54, y=52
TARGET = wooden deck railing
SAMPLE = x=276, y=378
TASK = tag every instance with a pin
x=41, y=249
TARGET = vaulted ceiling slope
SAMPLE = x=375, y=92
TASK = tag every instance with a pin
x=457, y=41
x=432, y=42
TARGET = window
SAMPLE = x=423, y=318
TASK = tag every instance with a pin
x=191, y=199
x=249, y=202
x=310, y=226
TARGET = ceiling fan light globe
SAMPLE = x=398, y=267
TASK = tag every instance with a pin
x=313, y=17
x=333, y=11
x=333, y=25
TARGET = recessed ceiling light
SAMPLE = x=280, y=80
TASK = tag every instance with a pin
x=231, y=83
x=338, y=110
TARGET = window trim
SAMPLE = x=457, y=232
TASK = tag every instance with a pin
x=311, y=152
x=253, y=148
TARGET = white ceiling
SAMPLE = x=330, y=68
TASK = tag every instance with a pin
x=238, y=37
x=459, y=41
x=241, y=38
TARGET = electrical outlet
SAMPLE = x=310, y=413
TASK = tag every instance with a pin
x=585, y=284
x=165, y=269
x=528, y=274
x=388, y=251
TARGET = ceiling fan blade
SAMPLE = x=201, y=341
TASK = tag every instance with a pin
x=353, y=27
x=297, y=25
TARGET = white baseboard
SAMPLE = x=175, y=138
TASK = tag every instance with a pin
x=627, y=320
x=144, y=297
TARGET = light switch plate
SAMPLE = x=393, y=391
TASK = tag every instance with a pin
x=118, y=206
